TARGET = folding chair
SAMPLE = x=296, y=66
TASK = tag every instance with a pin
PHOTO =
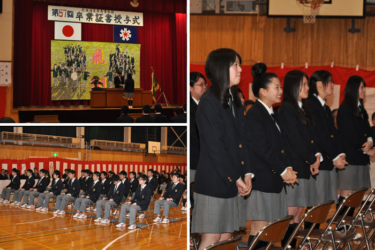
x=52, y=200
x=71, y=203
x=272, y=233
x=149, y=209
x=174, y=219
x=224, y=243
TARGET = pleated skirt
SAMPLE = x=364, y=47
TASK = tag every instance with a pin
x=354, y=177
x=303, y=194
x=326, y=183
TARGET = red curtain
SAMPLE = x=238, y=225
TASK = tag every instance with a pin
x=3, y=92
x=158, y=39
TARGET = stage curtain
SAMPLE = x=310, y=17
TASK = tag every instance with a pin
x=3, y=93
x=48, y=130
x=158, y=37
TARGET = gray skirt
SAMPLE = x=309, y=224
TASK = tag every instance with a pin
x=128, y=94
x=214, y=215
x=266, y=206
x=326, y=185
x=354, y=177
x=303, y=194
x=242, y=208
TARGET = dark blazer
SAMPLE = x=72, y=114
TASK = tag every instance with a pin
x=94, y=191
x=194, y=136
x=119, y=81
x=153, y=184
x=36, y=176
x=178, y=119
x=373, y=132
x=325, y=132
x=174, y=193
x=145, y=119
x=29, y=183
x=74, y=189
x=15, y=183
x=42, y=184
x=143, y=198
x=87, y=184
x=56, y=187
x=82, y=181
x=223, y=156
x=23, y=177
x=126, y=188
x=116, y=196
x=125, y=119
x=354, y=132
x=134, y=185
x=129, y=85
x=268, y=148
x=105, y=187
x=3, y=177
x=159, y=118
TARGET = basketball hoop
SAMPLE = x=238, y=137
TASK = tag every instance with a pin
x=309, y=9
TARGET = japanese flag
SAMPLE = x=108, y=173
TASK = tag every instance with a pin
x=68, y=31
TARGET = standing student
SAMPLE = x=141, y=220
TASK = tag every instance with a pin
x=356, y=134
x=305, y=158
x=70, y=194
x=29, y=184
x=223, y=161
x=265, y=140
x=129, y=90
x=11, y=188
x=56, y=187
x=29, y=196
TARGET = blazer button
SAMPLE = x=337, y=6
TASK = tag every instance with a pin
x=240, y=146
x=312, y=141
x=331, y=136
x=307, y=162
x=365, y=134
x=282, y=151
x=243, y=163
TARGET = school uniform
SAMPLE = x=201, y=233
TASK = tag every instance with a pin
x=178, y=119
x=129, y=88
x=116, y=193
x=223, y=160
x=159, y=118
x=330, y=145
x=93, y=193
x=56, y=188
x=266, y=142
x=152, y=183
x=119, y=81
x=133, y=186
x=174, y=192
x=303, y=152
x=146, y=118
x=40, y=188
x=23, y=177
x=13, y=185
x=86, y=184
x=126, y=187
x=29, y=184
x=3, y=177
x=125, y=119
x=106, y=186
x=73, y=189
x=142, y=199
x=194, y=139
x=354, y=131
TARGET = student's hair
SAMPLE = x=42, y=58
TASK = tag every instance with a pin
x=292, y=85
x=194, y=77
x=150, y=170
x=184, y=107
x=240, y=91
x=373, y=116
x=66, y=170
x=261, y=78
x=110, y=172
x=7, y=120
x=97, y=174
x=133, y=173
x=123, y=173
x=129, y=77
x=30, y=171
x=217, y=70
x=57, y=172
x=115, y=178
x=72, y=172
x=143, y=177
x=176, y=174
x=318, y=76
x=352, y=94
x=15, y=171
x=147, y=109
x=158, y=108
x=177, y=110
x=125, y=109
x=104, y=173
x=249, y=102
x=139, y=173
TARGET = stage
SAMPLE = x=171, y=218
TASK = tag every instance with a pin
x=80, y=114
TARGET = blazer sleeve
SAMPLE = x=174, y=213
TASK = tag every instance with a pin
x=345, y=124
x=180, y=191
x=17, y=183
x=146, y=200
x=211, y=126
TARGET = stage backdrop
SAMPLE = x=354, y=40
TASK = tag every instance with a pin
x=98, y=59
x=51, y=163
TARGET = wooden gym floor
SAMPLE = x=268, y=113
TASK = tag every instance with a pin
x=28, y=229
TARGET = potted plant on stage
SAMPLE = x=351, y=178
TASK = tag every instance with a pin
x=96, y=82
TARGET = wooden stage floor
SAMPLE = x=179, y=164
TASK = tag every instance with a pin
x=28, y=229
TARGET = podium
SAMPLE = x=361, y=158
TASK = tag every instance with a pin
x=98, y=99
x=112, y=98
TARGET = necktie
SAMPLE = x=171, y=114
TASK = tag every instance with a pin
x=115, y=189
x=174, y=185
x=230, y=103
x=40, y=180
x=273, y=118
x=360, y=110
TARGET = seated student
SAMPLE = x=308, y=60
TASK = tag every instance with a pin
x=24, y=175
x=36, y=174
x=140, y=202
x=40, y=187
x=86, y=182
x=53, y=192
x=82, y=178
x=66, y=179
x=152, y=182
x=170, y=198
x=110, y=176
x=65, y=176
x=125, y=118
x=11, y=188
x=179, y=116
x=133, y=183
x=145, y=118
x=112, y=199
x=71, y=193
x=139, y=175
x=125, y=182
x=91, y=196
x=105, y=184
x=29, y=183
x=159, y=118
x=3, y=176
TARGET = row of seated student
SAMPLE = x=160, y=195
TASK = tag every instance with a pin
x=179, y=115
x=135, y=193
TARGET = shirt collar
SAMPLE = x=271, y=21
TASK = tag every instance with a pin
x=299, y=104
x=270, y=110
x=56, y=180
x=158, y=113
x=320, y=100
x=95, y=182
x=359, y=103
x=143, y=186
x=195, y=100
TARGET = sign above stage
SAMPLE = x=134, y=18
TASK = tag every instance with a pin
x=96, y=16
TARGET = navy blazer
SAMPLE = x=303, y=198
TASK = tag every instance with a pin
x=125, y=119
x=105, y=187
x=116, y=196
x=174, y=193
x=15, y=183
x=86, y=184
x=325, y=132
x=354, y=132
x=145, y=119
x=269, y=149
x=223, y=156
x=143, y=198
x=94, y=191
x=126, y=188
x=57, y=187
x=300, y=138
x=159, y=118
x=74, y=189
x=194, y=136
x=153, y=184
x=42, y=185
x=29, y=183
x=134, y=185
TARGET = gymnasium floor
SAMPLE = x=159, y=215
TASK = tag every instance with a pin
x=27, y=229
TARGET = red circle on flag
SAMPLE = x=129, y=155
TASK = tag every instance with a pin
x=68, y=31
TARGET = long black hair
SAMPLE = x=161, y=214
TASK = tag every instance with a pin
x=292, y=85
x=352, y=95
x=320, y=75
x=217, y=70
x=194, y=77
x=261, y=77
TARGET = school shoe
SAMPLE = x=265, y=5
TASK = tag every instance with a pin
x=165, y=221
x=30, y=207
x=39, y=209
x=76, y=215
x=98, y=220
x=82, y=216
x=158, y=219
x=56, y=212
x=44, y=209
x=115, y=212
x=141, y=216
x=121, y=225
x=132, y=227
x=357, y=236
x=24, y=206
x=183, y=209
x=61, y=213
x=6, y=202
x=94, y=210
x=105, y=221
